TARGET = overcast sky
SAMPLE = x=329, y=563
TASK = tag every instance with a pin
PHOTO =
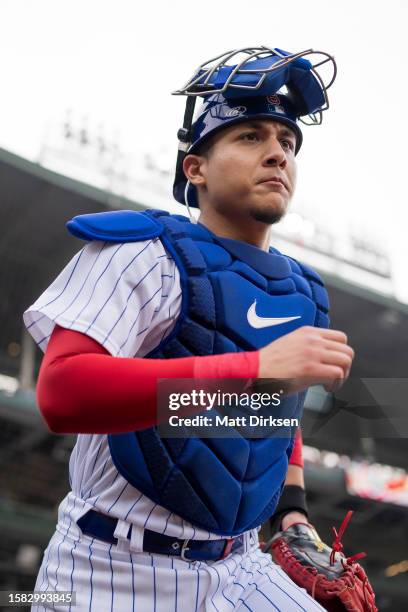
x=118, y=61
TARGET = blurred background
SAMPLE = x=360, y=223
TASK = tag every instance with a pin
x=87, y=124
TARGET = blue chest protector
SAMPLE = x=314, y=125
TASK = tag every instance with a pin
x=229, y=290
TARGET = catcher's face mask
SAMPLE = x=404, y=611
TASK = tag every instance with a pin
x=265, y=84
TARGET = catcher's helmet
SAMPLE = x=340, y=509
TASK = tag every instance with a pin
x=266, y=84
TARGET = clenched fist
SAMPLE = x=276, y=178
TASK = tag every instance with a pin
x=308, y=356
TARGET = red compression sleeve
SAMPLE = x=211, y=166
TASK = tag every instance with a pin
x=296, y=457
x=83, y=389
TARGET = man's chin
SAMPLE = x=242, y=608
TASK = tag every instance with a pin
x=269, y=215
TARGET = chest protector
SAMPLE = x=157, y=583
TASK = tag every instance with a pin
x=235, y=297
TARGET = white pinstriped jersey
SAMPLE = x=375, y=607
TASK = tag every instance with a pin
x=128, y=298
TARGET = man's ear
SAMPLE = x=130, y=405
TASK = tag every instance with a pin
x=194, y=169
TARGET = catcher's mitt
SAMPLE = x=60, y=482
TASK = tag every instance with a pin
x=338, y=583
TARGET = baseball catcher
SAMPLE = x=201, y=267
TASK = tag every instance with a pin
x=159, y=522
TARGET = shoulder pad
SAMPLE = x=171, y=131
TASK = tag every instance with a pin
x=115, y=226
x=305, y=270
x=317, y=288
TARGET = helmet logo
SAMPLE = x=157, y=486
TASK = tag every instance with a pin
x=236, y=111
x=275, y=104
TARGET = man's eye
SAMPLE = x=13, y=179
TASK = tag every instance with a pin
x=288, y=144
x=251, y=136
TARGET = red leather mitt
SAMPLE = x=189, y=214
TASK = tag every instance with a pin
x=338, y=583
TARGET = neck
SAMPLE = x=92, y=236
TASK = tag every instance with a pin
x=253, y=232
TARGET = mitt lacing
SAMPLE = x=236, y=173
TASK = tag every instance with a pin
x=337, y=545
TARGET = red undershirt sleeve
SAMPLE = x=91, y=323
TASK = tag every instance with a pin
x=296, y=457
x=83, y=389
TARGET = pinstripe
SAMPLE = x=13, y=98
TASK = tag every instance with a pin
x=227, y=568
x=79, y=255
x=225, y=597
x=233, y=561
x=141, y=332
x=277, y=585
x=45, y=567
x=131, y=508
x=171, y=287
x=115, y=286
x=148, y=516
x=263, y=594
x=111, y=569
x=28, y=327
x=84, y=282
x=175, y=608
x=72, y=572
x=91, y=576
x=285, y=592
x=138, y=314
x=240, y=599
x=198, y=589
x=167, y=522
x=117, y=498
x=133, y=584
x=95, y=284
x=216, y=590
x=266, y=597
x=255, y=561
x=154, y=588
x=56, y=571
x=245, y=570
x=70, y=520
x=103, y=470
x=239, y=584
x=113, y=481
x=286, y=579
x=128, y=299
x=93, y=468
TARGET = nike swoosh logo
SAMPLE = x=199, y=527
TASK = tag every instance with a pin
x=259, y=322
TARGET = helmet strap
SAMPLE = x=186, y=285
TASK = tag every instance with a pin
x=192, y=218
x=184, y=136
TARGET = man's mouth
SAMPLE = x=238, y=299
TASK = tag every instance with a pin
x=274, y=180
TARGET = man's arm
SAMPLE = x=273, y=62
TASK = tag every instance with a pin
x=83, y=389
x=292, y=506
x=294, y=478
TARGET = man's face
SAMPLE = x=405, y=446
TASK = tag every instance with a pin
x=250, y=171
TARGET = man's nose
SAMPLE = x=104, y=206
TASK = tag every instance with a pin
x=275, y=155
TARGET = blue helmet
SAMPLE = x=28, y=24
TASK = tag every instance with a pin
x=266, y=84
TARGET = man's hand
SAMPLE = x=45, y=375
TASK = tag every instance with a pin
x=291, y=518
x=308, y=356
